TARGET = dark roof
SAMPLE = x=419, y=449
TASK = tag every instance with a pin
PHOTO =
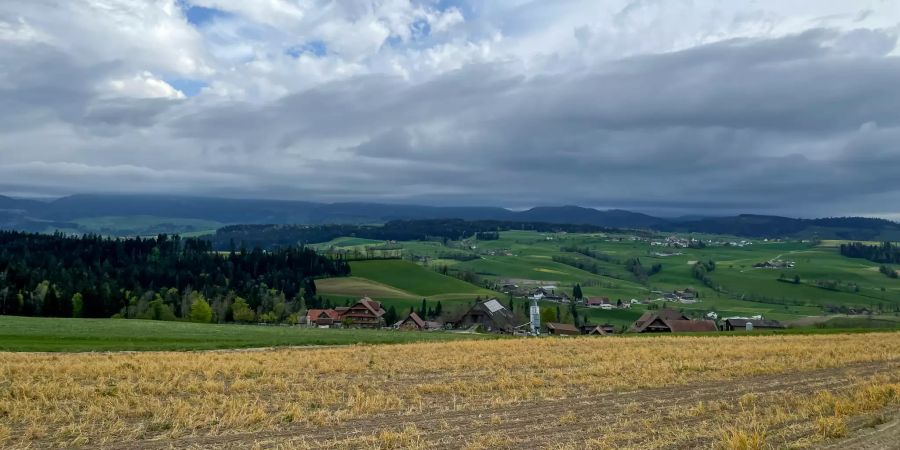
x=600, y=329
x=562, y=327
x=500, y=316
x=671, y=314
x=757, y=323
x=667, y=317
x=684, y=326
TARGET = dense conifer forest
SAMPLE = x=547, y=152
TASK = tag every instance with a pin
x=884, y=253
x=166, y=277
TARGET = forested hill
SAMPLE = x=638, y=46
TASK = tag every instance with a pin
x=90, y=276
x=276, y=236
x=850, y=228
x=161, y=213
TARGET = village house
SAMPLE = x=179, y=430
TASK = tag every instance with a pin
x=597, y=302
x=365, y=313
x=322, y=318
x=415, y=323
x=751, y=324
x=490, y=315
x=670, y=321
x=562, y=329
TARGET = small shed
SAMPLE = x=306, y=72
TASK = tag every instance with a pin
x=755, y=324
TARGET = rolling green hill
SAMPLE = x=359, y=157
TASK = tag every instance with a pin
x=824, y=278
x=415, y=279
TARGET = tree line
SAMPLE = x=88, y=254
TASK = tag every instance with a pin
x=274, y=236
x=885, y=253
x=164, y=278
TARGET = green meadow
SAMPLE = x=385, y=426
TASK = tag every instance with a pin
x=40, y=334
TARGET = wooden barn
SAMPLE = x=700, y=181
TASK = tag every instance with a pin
x=415, y=323
x=670, y=321
x=562, y=329
x=490, y=315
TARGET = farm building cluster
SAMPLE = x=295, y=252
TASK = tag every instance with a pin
x=492, y=316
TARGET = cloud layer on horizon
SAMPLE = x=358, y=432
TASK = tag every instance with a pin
x=662, y=106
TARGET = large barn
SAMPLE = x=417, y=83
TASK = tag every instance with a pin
x=670, y=321
x=490, y=315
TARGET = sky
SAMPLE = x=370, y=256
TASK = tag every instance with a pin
x=664, y=106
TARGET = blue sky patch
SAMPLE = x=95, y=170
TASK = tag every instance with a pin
x=187, y=86
x=315, y=48
x=461, y=5
x=199, y=15
x=420, y=29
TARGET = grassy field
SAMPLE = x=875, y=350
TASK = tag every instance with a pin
x=527, y=258
x=416, y=280
x=728, y=392
x=31, y=334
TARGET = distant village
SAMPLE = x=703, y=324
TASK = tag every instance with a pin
x=492, y=316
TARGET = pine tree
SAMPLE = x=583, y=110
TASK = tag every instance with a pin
x=390, y=317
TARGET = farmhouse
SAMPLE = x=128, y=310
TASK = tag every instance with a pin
x=670, y=321
x=324, y=318
x=755, y=324
x=414, y=322
x=597, y=302
x=490, y=315
x=365, y=313
x=562, y=329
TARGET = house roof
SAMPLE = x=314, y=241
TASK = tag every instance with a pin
x=502, y=317
x=493, y=305
x=373, y=306
x=663, y=315
x=757, y=323
x=596, y=300
x=562, y=327
x=683, y=326
x=315, y=314
x=416, y=319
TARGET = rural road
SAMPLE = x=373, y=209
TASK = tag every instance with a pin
x=884, y=436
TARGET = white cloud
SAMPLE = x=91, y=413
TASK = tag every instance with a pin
x=498, y=100
x=144, y=85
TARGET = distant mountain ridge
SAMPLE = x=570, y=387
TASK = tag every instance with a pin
x=32, y=215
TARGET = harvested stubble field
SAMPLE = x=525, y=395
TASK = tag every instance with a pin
x=739, y=392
